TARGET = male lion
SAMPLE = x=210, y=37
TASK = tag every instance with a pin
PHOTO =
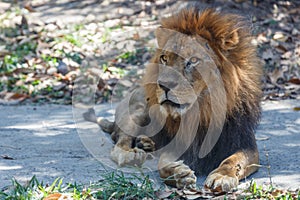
x=198, y=106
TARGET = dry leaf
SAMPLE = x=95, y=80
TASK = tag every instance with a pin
x=163, y=194
x=54, y=196
x=136, y=36
x=279, y=36
x=6, y=157
x=29, y=7
x=295, y=81
x=296, y=109
x=10, y=98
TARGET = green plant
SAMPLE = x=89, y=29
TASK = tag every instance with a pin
x=53, y=61
x=16, y=58
x=21, y=192
x=270, y=192
x=73, y=39
x=128, y=56
x=74, y=56
x=116, y=185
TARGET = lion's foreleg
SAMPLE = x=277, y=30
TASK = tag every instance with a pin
x=176, y=173
x=123, y=153
x=232, y=169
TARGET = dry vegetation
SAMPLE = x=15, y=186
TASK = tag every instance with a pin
x=39, y=61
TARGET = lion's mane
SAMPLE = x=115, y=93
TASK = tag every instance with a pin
x=230, y=38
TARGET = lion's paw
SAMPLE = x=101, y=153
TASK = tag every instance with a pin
x=145, y=143
x=218, y=181
x=183, y=176
x=132, y=157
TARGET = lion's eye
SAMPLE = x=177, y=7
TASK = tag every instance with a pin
x=193, y=60
x=191, y=63
x=164, y=59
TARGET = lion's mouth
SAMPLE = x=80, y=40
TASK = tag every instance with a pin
x=173, y=104
x=170, y=103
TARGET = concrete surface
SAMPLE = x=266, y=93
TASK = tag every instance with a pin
x=52, y=141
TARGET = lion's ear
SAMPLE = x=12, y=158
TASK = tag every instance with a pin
x=162, y=35
x=229, y=41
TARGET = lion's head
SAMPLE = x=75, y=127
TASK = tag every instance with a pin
x=203, y=57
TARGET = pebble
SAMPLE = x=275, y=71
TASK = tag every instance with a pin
x=62, y=68
x=51, y=70
x=59, y=86
x=125, y=82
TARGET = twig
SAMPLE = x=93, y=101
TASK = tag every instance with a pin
x=268, y=166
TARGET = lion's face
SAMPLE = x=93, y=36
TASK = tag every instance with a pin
x=186, y=71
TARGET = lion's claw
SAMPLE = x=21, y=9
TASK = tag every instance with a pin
x=130, y=157
x=183, y=176
x=145, y=143
x=217, y=181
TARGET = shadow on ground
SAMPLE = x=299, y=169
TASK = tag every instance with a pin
x=44, y=141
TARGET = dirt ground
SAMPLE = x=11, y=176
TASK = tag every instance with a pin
x=53, y=141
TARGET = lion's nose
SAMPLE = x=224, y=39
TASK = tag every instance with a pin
x=166, y=85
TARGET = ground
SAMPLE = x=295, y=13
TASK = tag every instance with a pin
x=48, y=142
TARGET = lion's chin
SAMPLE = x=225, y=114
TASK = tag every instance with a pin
x=175, y=110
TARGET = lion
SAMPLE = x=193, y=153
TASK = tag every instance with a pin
x=199, y=104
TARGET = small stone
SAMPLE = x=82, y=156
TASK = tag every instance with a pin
x=112, y=23
x=59, y=94
x=125, y=83
x=51, y=71
x=62, y=68
x=59, y=86
x=96, y=71
x=51, y=27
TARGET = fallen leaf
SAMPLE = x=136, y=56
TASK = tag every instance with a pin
x=136, y=36
x=279, y=36
x=163, y=194
x=296, y=109
x=281, y=48
x=29, y=7
x=55, y=196
x=14, y=96
x=6, y=157
x=295, y=81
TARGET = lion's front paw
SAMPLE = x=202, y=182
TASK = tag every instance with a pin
x=145, y=143
x=133, y=157
x=220, y=181
x=179, y=175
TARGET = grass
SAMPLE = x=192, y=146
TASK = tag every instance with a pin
x=269, y=192
x=114, y=185
x=117, y=185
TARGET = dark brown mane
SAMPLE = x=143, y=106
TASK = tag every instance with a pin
x=229, y=36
